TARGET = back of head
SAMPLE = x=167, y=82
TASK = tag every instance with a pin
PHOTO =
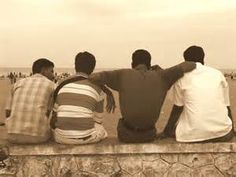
x=41, y=64
x=194, y=54
x=85, y=62
x=141, y=56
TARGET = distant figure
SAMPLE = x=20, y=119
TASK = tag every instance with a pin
x=142, y=91
x=232, y=76
x=20, y=75
x=29, y=103
x=14, y=77
x=11, y=77
x=79, y=106
x=201, y=111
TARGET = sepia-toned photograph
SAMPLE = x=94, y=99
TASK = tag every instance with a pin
x=115, y=88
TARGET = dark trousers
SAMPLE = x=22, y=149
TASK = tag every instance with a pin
x=128, y=134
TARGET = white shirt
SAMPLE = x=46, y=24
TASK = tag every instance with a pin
x=204, y=94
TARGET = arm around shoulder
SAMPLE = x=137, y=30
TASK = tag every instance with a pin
x=109, y=78
x=174, y=73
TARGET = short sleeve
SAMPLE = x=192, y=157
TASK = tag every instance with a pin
x=9, y=99
x=98, y=113
x=177, y=94
x=100, y=103
x=51, y=99
x=225, y=87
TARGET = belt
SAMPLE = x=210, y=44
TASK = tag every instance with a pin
x=137, y=129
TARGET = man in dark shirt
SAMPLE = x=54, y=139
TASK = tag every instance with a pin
x=141, y=94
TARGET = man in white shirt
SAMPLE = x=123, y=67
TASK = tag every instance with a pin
x=201, y=111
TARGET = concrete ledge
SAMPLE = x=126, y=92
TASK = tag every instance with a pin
x=110, y=158
x=112, y=146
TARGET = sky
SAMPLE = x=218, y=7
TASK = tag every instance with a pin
x=113, y=29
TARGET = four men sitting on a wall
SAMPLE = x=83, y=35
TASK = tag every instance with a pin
x=201, y=111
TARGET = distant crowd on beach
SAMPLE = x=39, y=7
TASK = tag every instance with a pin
x=14, y=76
x=230, y=75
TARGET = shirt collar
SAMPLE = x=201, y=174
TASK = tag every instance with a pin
x=82, y=74
x=37, y=75
x=141, y=67
x=198, y=65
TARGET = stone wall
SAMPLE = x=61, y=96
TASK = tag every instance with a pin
x=115, y=159
x=166, y=165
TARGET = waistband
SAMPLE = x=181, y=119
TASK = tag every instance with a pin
x=135, y=128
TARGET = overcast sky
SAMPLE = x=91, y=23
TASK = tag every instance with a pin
x=113, y=29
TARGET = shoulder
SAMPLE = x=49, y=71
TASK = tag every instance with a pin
x=90, y=85
x=172, y=71
x=48, y=83
x=215, y=72
x=25, y=81
x=85, y=85
x=20, y=82
x=121, y=71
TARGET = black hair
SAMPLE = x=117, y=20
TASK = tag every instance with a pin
x=41, y=63
x=141, y=56
x=195, y=54
x=85, y=62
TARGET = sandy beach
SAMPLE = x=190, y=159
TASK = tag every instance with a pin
x=110, y=120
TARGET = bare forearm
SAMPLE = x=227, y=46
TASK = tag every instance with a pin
x=174, y=117
x=230, y=116
x=111, y=105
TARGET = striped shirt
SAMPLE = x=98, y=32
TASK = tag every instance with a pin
x=79, y=106
x=29, y=102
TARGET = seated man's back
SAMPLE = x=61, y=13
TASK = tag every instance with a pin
x=79, y=106
x=203, y=92
x=28, y=106
x=201, y=103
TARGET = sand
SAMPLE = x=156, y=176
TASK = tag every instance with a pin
x=110, y=120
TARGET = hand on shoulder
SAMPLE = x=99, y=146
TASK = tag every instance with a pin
x=188, y=66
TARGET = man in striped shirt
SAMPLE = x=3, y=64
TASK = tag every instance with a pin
x=28, y=105
x=79, y=106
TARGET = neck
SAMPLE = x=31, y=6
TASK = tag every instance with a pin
x=82, y=74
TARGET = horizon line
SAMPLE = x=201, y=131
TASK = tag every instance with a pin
x=95, y=67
